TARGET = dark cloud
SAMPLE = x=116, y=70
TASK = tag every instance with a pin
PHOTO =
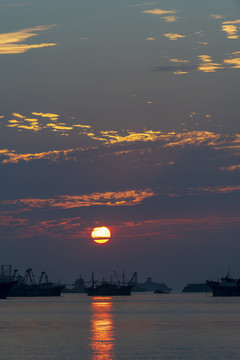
x=174, y=68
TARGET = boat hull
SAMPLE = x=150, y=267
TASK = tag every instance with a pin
x=5, y=288
x=223, y=290
x=109, y=290
x=35, y=290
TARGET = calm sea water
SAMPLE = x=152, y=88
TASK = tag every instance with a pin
x=144, y=326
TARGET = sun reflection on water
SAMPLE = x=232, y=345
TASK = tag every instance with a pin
x=102, y=329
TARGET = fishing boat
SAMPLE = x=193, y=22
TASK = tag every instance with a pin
x=27, y=287
x=226, y=287
x=111, y=288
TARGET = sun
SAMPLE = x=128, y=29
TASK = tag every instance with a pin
x=101, y=235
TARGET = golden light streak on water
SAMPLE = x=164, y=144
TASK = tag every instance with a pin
x=102, y=329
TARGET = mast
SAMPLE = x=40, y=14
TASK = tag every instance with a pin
x=92, y=279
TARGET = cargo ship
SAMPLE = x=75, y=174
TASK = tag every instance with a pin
x=226, y=287
x=108, y=288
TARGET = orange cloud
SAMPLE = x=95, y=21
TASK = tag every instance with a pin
x=120, y=198
x=179, y=72
x=51, y=116
x=231, y=28
x=169, y=18
x=150, y=38
x=44, y=121
x=124, y=137
x=194, y=138
x=230, y=168
x=179, y=61
x=207, y=64
x=216, y=16
x=54, y=155
x=159, y=12
x=10, y=43
x=157, y=229
x=26, y=228
x=235, y=62
x=113, y=137
x=218, y=189
x=174, y=36
x=173, y=228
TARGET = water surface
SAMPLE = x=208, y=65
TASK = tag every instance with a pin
x=144, y=326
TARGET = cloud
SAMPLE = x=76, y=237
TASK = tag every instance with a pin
x=174, y=68
x=207, y=64
x=216, y=16
x=235, y=62
x=231, y=28
x=10, y=156
x=10, y=43
x=51, y=116
x=179, y=61
x=220, y=189
x=45, y=121
x=174, y=36
x=180, y=72
x=28, y=228
x=230, y=168
x=143, y=4
x=159, y=12
x=119, y=198
x=155, y=229
x=150, y=38
x=106, y=139
x=169, y=18
x=171, y=228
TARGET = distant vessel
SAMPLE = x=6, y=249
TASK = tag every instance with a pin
x=198, y=287
x=226, y=287
x=108, y=288
x=148, y=285
x=6, y=283
x=160, y=291
x=27, y=287
x=77, y=287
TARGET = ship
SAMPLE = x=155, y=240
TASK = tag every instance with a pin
x=27, y=287
x=77, y=287
x=6, y=283
x=160, y=291
x=148, y=285
x=111, y=288
x=226, y=287
x=198, y=287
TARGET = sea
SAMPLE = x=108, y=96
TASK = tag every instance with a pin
x=143, y=326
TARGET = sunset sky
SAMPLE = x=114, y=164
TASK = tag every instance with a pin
x=122, y=114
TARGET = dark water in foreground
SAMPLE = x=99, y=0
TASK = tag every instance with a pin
x=144, y=326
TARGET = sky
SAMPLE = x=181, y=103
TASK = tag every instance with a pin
x=122, y=114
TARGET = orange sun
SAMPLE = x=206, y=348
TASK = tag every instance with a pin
x=101, y=235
